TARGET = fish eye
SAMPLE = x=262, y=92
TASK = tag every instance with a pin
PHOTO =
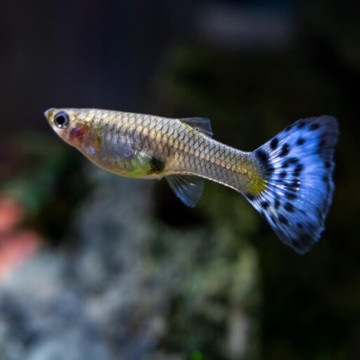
x=61, y=120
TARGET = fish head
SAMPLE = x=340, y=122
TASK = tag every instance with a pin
x=75, y=127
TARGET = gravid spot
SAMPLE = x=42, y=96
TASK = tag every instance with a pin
x=156, y=165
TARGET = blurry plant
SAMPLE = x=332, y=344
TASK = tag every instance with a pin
x=211, y=273
x=46, y=180
x=41, y=186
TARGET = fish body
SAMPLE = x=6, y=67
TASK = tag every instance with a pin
x=288, y=179
x=146, y=146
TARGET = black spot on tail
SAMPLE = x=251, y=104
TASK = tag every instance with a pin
x=274, y=143
x=314, y=126
x=263, y=157
x=291, y=196
x=289, y=207
x=277, y=203
x=298, y=169
x=298, y=166
x=283, y=219
x=264, y=204
x=301, y=124
x=300, y=141
x=250, y=197
x=284, y=150
x=283, y=174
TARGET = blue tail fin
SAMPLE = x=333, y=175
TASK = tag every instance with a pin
x=298, y=165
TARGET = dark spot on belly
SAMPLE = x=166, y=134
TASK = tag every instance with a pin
x=156, y=165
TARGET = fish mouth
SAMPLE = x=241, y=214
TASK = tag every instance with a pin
x=48, y=113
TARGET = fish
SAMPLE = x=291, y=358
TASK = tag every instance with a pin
x=288, y=180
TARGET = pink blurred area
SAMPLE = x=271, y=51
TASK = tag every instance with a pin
x=17, y=244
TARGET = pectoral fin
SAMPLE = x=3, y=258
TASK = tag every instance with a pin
x=187, y=188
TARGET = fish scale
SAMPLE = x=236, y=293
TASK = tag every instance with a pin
x=288, y=179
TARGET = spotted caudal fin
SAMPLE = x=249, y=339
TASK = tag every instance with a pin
x=298, y=166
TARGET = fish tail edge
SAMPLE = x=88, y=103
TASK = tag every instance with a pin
x=298, y=167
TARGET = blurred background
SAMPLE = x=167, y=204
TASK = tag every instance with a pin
x=94, y=266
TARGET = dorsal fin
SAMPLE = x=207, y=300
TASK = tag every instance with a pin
x=187, y=188
x=200, y=124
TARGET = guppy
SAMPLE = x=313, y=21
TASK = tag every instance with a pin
x=289, y=179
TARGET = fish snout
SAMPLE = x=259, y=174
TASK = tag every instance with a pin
x=48, y=113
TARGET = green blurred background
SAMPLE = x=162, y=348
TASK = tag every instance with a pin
x=99, y=267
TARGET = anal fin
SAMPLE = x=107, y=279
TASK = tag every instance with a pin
x=187, y=188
